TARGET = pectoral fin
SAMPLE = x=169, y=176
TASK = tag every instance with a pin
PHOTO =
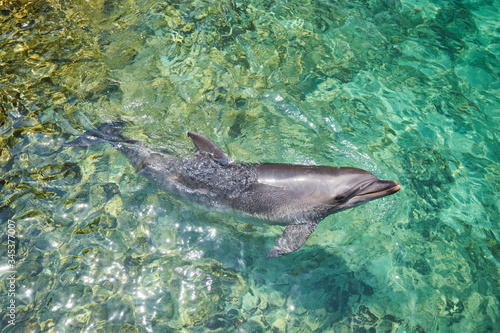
x=204, y=144
x=293, y=238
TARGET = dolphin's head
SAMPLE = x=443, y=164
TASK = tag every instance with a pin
x=351, y=187
x=336, y=187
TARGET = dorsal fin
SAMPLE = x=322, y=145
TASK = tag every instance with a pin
x=204, y=144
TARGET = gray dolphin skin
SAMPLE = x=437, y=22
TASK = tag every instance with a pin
x=295, y=196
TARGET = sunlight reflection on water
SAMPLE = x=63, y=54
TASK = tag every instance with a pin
x=398, y=88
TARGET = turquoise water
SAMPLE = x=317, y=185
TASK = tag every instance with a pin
x=408, y=90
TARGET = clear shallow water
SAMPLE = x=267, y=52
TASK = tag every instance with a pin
x=406, y=90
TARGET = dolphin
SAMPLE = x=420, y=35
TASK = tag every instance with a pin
x=295, y=196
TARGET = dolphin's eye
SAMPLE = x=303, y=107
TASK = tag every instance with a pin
x=340, y=198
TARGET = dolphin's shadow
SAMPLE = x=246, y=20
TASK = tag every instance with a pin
x=311, y=286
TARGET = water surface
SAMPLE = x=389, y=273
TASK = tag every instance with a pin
x=408, y=90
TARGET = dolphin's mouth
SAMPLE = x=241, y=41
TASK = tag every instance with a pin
x=378, y=189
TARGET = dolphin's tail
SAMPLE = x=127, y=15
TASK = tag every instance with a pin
x=107, y=132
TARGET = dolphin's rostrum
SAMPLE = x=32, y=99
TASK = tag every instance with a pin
x=295, y=196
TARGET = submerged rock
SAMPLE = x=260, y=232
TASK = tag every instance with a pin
x=215, y=323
